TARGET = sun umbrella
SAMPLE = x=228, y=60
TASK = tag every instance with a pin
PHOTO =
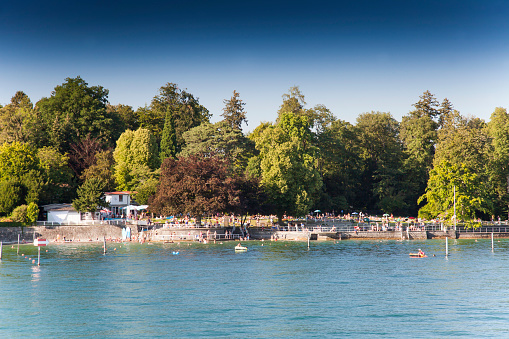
x=355, y=213
x=386, y=215
x=317, y=211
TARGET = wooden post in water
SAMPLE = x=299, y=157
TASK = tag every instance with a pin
x=104, y=244
x=38, y=255
x=492, y=247
x=1, y=248
x=17, y=251
x=446, y=246
x=309, y=236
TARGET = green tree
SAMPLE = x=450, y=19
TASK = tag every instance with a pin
x=136, y=154
x=169, y=138
x=233, y=112
x=498, y=155
x=90, y=196
x=75, y=111
x=382, y=175
x=446, y=180
x=126, y=115
x=220, y=140
x=58, y=184
x=32, y=212
x=339, y=163
x=288, y=165
x=11, y=195
x=103, y=169
x=185, y=108
x=19, y=214
x=14, y=119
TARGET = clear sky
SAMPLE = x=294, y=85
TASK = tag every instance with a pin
x=352, y=56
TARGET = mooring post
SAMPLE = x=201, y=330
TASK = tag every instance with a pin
x=104, y=244
x=446, y=246
x=38, y=255
x=309, y=236
x=17, y=251
x=492, y=247
x=1, y=248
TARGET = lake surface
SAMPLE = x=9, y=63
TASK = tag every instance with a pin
x=279, y=290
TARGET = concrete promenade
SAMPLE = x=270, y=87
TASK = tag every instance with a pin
x=301, y=232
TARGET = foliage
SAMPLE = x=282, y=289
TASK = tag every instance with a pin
x=169, y=138
x=103, y=169
x=220, y=140
x=184, y=107
x=90, y=196
x=135, y=155
x=32, y=212
x=382, y=154
x=11, y=195
x=19, y=214
x=445, y=178
x=194, y=185
x=233, y=112
x=75, y=111
x=288, y=165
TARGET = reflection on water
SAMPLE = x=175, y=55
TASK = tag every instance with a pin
x=280, y=289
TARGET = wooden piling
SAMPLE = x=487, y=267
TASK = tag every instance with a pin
x=17, y=251
x=1, y=248
x=446, y=246
x=492, y=246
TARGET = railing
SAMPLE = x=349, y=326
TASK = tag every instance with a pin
x=196, y=237
x=82, y=222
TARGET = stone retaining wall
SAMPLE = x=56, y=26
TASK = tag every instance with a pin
x=75, y=233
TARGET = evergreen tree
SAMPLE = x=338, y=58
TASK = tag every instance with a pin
x=168, y=139
x=233, y=112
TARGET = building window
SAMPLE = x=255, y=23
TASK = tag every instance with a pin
x=120, y=198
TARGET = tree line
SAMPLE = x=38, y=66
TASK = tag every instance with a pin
x=74, y=145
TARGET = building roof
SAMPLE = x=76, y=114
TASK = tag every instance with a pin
x=119, y=193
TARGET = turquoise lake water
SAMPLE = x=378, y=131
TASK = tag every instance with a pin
x=357, y=289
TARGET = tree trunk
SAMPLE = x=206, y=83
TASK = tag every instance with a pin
x=198, y=220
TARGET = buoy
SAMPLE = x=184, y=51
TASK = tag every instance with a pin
x=115, y=249
x=33, y=261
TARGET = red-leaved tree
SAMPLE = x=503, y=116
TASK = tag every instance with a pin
x=197, y=186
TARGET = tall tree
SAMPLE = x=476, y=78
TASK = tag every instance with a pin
x=498, y=155
x=288, y=165
x=221, y=140
x=185, y=108
x=15, y=118
x=136, y=157
x=194, y=185
x=340, y=165
x=233, y=112
x=76, y=110
x=448, y=180
x=381, y=150
x=169, y=138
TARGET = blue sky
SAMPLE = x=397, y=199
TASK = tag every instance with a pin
x=352, y=56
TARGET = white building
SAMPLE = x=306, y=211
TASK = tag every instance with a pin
x=118, y=201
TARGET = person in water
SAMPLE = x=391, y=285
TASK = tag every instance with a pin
x=421, y=253
x=239, y=245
